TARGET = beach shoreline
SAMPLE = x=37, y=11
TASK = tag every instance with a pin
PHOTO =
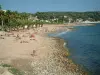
x=39, y=55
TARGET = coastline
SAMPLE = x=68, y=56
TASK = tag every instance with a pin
x=74, y=68
x=68, y=63
x=78, y=68
x=47, y=57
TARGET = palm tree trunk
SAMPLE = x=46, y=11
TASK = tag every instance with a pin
x=2, y=24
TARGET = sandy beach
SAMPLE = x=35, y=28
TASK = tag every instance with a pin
x=34, y=53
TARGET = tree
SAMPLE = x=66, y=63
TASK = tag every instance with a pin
x=2, y=16
x=0, y=7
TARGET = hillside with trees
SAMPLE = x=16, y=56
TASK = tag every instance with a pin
x=65, y=17
x=13, y=20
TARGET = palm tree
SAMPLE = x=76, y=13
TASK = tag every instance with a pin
x=2, y=17
x=0, y=7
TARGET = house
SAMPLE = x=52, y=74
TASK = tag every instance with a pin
x=32, y=18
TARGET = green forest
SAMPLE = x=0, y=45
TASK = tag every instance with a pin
x=14, y=20
x=65, y=16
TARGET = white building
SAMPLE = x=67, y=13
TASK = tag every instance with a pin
x=32, y=18
x=4, y=10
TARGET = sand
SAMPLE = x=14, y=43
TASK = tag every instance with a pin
x=34, y=53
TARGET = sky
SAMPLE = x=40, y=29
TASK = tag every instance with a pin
x=33, y=6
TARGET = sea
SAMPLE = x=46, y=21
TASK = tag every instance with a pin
x=83, y=44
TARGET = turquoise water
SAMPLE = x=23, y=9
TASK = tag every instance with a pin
x=84, y=46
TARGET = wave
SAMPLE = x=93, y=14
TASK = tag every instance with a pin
x=62, y=33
